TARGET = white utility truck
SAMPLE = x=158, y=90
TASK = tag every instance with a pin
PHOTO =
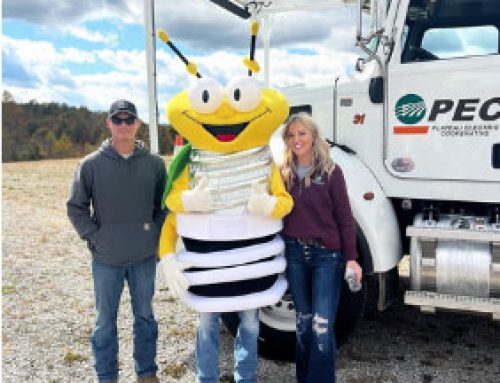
x=416, y=130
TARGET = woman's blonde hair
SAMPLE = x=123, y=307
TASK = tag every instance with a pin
x=321, y=161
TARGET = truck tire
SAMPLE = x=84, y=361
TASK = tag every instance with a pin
x=277, y=323
x=352, y=305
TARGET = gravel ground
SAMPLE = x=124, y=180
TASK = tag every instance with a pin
x=48, y=311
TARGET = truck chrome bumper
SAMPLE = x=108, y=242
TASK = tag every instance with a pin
x=429, y=301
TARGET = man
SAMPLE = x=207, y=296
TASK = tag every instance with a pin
x=115, y=205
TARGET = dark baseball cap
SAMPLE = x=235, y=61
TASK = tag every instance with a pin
x=122, y=106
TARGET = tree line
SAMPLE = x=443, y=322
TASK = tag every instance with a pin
x=36, y=131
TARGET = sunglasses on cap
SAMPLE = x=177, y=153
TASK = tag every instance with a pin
x=128, y=120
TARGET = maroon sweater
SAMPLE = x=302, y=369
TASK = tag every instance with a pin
x=322, y=213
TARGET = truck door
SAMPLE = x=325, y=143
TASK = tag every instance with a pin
x=443, y=99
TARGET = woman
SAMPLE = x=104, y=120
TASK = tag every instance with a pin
x=320, y=237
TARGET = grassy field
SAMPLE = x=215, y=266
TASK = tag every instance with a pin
x=36, y=282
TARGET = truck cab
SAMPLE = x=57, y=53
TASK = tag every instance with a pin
x=429, y=133
x=418, y=129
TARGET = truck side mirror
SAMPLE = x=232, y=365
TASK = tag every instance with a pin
x=376, y=90
x=360, y=64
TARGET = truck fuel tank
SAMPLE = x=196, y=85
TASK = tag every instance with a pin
x=455, y=263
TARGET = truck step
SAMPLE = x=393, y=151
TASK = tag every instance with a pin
x=453, y=234
x=429, y=301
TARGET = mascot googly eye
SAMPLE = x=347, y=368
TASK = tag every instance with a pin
x=225, y=195
x=244, y=94
x=205, y=95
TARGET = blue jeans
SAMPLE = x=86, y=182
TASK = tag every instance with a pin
x=245, y=347
x=314, y=277
x=108, y=287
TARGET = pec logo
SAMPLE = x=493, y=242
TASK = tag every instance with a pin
x=410, y=109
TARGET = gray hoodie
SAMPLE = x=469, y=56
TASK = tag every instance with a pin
x=115, y=203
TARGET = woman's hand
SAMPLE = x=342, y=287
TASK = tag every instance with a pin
x=354, y=265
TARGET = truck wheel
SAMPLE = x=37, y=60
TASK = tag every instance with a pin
x=352, y=305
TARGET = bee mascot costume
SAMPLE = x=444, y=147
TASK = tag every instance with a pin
x=225, y=195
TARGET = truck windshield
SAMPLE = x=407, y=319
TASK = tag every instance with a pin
x=445, y=29
x=461, y=41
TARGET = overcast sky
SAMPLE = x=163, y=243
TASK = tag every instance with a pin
x=88, y=53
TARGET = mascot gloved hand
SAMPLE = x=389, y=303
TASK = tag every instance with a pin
x=172, y=271
x=260, y=201
x=199, y=198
